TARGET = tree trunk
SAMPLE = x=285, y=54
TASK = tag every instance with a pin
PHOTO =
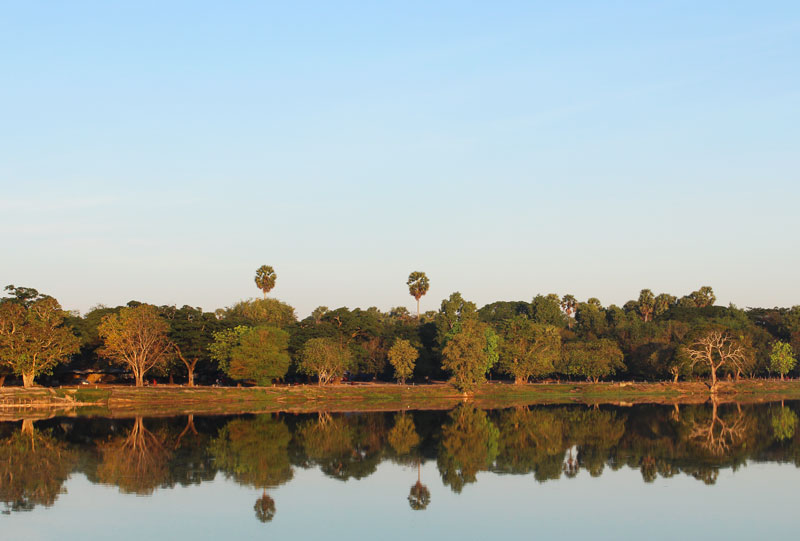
x=675, y=380
x=140, y=380
x=781, y=378
x=27, y=379
x=519, y=380
x=713, y=379
x=191, y=377
x=417, y=309
x=2, y=380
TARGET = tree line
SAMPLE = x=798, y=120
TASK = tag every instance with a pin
x=261, y=341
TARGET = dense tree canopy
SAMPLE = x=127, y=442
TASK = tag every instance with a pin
x=650, y=337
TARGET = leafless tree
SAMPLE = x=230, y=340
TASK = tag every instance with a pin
x=716, y=349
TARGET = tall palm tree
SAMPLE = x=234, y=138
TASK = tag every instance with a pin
x=418, y=285
x=647, y=302
x=568, y=304
x=265, y=278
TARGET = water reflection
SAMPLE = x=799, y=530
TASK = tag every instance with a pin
x=33, y=467
x=263, y=452
x=136, y=461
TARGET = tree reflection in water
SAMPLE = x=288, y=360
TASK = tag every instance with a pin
x=264, y=508
x=136, y=462
x=404, y=440
x=784, y=423
x=419, y=497
x=546, y=442
x=33, y=468
x=469, y=445
x=254, y=452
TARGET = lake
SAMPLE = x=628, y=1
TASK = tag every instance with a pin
x=553, y=472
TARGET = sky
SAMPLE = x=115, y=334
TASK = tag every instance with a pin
x=162, y=151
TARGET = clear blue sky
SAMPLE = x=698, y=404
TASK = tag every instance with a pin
x=161, y=151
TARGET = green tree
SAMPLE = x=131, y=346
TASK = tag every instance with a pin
x=701, y=298
x=528, y=349
x=136, y=337
x=265, y=279
x=470, y=354
x=453, y=313
x=261, y=356
x=403, y=356
x=33, y=337
x=591, y=319
x=547, y=310
x=223, y=344
x=418, y=285
x=782, y=358
x=325, y=358
x=593, y=359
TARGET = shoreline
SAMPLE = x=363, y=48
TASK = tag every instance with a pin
x=165, y=400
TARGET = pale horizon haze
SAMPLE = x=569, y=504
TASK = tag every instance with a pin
x=162, y=151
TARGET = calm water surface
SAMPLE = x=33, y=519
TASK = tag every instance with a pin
x=556, y=472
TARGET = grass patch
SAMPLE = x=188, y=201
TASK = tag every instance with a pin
x=174, y=399
x=92, y=395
